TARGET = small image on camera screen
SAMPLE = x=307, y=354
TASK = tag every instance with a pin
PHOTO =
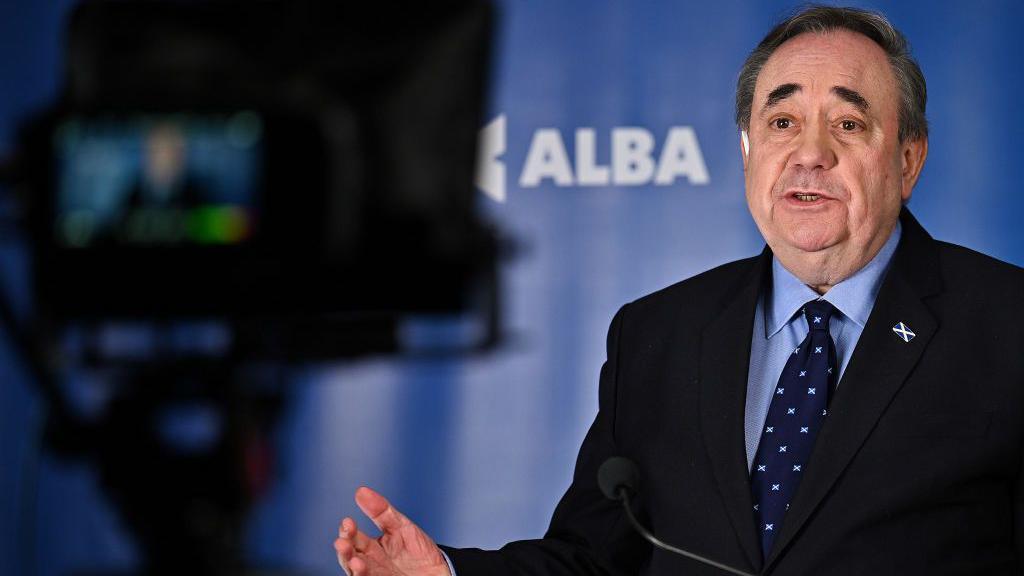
x=158, y=180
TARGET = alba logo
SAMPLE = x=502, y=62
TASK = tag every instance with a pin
x=632, y=155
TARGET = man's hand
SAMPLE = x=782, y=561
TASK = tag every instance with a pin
x=402, y=549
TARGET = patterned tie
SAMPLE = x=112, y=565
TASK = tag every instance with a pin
x=797, y=412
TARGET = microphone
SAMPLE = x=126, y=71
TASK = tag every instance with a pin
x=619, y=479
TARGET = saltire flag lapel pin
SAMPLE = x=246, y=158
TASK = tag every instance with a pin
x=903, y=332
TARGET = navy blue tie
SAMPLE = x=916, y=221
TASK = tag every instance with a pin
x=798, y=409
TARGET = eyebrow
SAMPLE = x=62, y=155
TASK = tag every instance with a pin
x=851, y=96
x=784, y=91
x=780, y=93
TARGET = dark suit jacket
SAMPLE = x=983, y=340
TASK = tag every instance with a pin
x=917, y=469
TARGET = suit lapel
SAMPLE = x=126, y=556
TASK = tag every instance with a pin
x=724, y=362
x=880, y=364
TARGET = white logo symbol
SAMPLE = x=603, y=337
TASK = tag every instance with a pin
x=490, y=172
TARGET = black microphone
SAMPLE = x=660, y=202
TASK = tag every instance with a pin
x=619, y=479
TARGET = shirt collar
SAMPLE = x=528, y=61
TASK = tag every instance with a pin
x=854, y=297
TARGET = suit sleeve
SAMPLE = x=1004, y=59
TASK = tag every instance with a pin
x=589, y=534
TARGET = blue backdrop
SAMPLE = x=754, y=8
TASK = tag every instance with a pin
x=612, y=155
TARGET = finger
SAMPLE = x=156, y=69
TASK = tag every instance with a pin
x=361, y=540
x=347, y=527
x=379, y=510
x=358, y=566
x=348, y=530
x=345, y=553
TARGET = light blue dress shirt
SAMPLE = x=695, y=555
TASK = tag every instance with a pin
x=779, y=328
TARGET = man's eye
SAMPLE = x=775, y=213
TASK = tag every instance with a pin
x=782, y=123
x=848, y=125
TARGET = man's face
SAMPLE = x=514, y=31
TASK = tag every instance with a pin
x=826, y=173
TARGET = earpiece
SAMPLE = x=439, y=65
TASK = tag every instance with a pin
x=746, y=142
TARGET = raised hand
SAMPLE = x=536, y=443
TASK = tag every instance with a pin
x=403, y=549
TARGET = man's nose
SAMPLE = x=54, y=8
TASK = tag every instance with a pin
x=814, y=147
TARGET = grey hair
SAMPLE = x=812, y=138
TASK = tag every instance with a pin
x=818, y=19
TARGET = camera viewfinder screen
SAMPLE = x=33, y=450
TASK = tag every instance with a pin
x=158, y=180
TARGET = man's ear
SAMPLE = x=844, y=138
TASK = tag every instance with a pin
x=744, y=147
x=913, y=157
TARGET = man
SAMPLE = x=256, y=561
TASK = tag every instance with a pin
x=849, y=402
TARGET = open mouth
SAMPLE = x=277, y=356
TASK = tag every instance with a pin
x=806, y=196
